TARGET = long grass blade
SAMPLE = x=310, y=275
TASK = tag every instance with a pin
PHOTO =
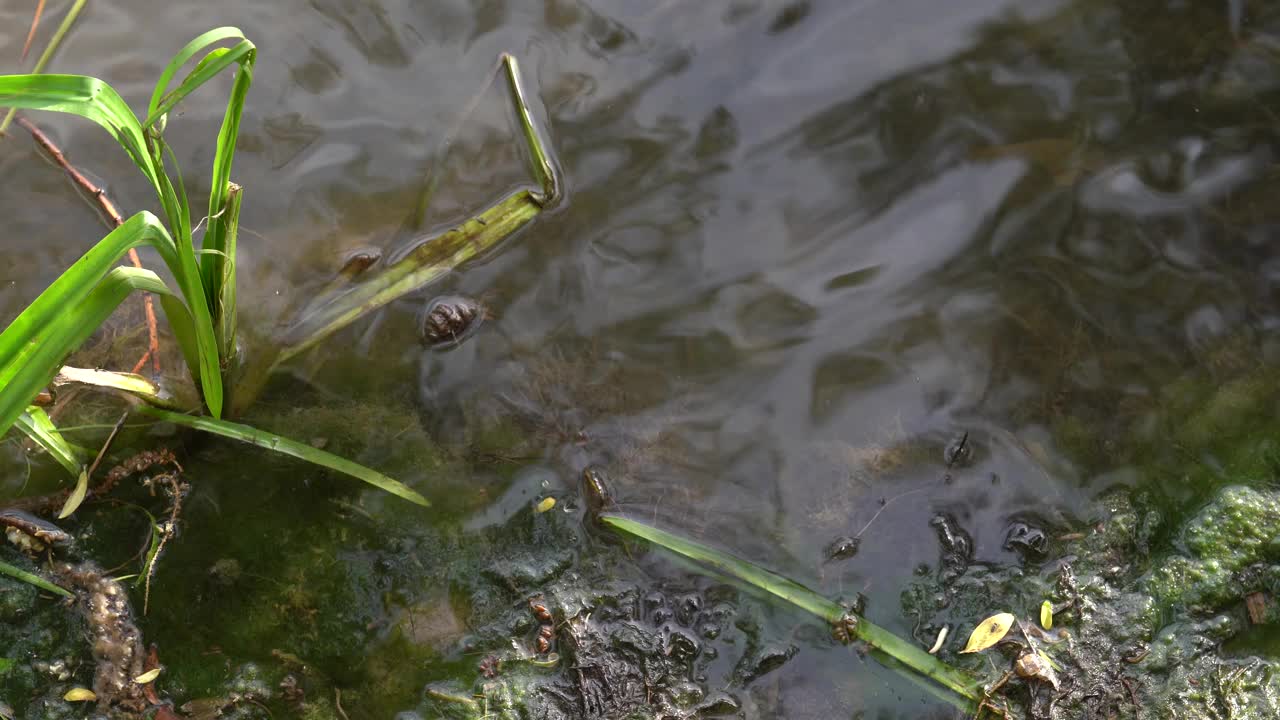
x=283, y=445
x=214, y=242
x=36, y=424
x=33, y=579
x=241, y=56
x=804, y=598
x=79, y=279
x=163, y=100
x=87, y=97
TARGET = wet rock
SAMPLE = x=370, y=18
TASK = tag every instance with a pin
x=1029, y=541
x=959, y=452
x=842, y=548
x=687, y=608
x=765, y=661
x=718, y=704
x=957, y=547
x=682, y=647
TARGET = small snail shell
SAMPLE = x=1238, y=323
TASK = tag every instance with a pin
x=450, y=319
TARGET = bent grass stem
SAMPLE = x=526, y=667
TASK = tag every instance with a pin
x=954, y=680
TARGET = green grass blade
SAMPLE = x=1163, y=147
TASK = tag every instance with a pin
x=21, y=340
x=215, y=236
x=49, y=50
x=32, y=579
x=302, y=451
x=87, y=97
x=162, y=101
x=95, y=100
x=224, y=265
x=242, y=55
x=78, y=280
x=802, y=597
x=36, y=424
x=39, y=360
x=543, y=168
x=429, y=261
x=793, y=592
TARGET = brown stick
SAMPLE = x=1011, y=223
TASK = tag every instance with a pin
x=31, y=34
x=109, y=209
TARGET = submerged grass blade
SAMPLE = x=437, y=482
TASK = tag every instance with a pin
x=544, y=169
x=437, y=256
x=36, y=424
x=877, y=637
x=270, y=441
x=33, y=579
x=426, y=263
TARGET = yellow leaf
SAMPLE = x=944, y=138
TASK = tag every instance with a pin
x=1046, y=615
x=77, y=495
x=989, y=632
x=79, y=694
x=546, y=504
x=147, y=676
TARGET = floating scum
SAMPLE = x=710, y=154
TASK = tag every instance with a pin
x=201, y=309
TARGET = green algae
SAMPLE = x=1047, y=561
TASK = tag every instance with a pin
x=1240, y=529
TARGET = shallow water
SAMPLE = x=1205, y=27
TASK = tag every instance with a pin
x=806, y=248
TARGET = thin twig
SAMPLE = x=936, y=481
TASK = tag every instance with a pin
x=45, y=56
x=885, y=505
x=31, y=34
x=108, y=208
x=167, y=530
x=106, y=444
x=337, y=703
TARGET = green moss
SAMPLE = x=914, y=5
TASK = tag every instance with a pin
x=1240, y=528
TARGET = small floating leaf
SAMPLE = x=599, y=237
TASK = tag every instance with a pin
x=546, y=504
x=79, y=694
x=989, y=632
x=1046, y=615
x=77, y=496
x=147, y=676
